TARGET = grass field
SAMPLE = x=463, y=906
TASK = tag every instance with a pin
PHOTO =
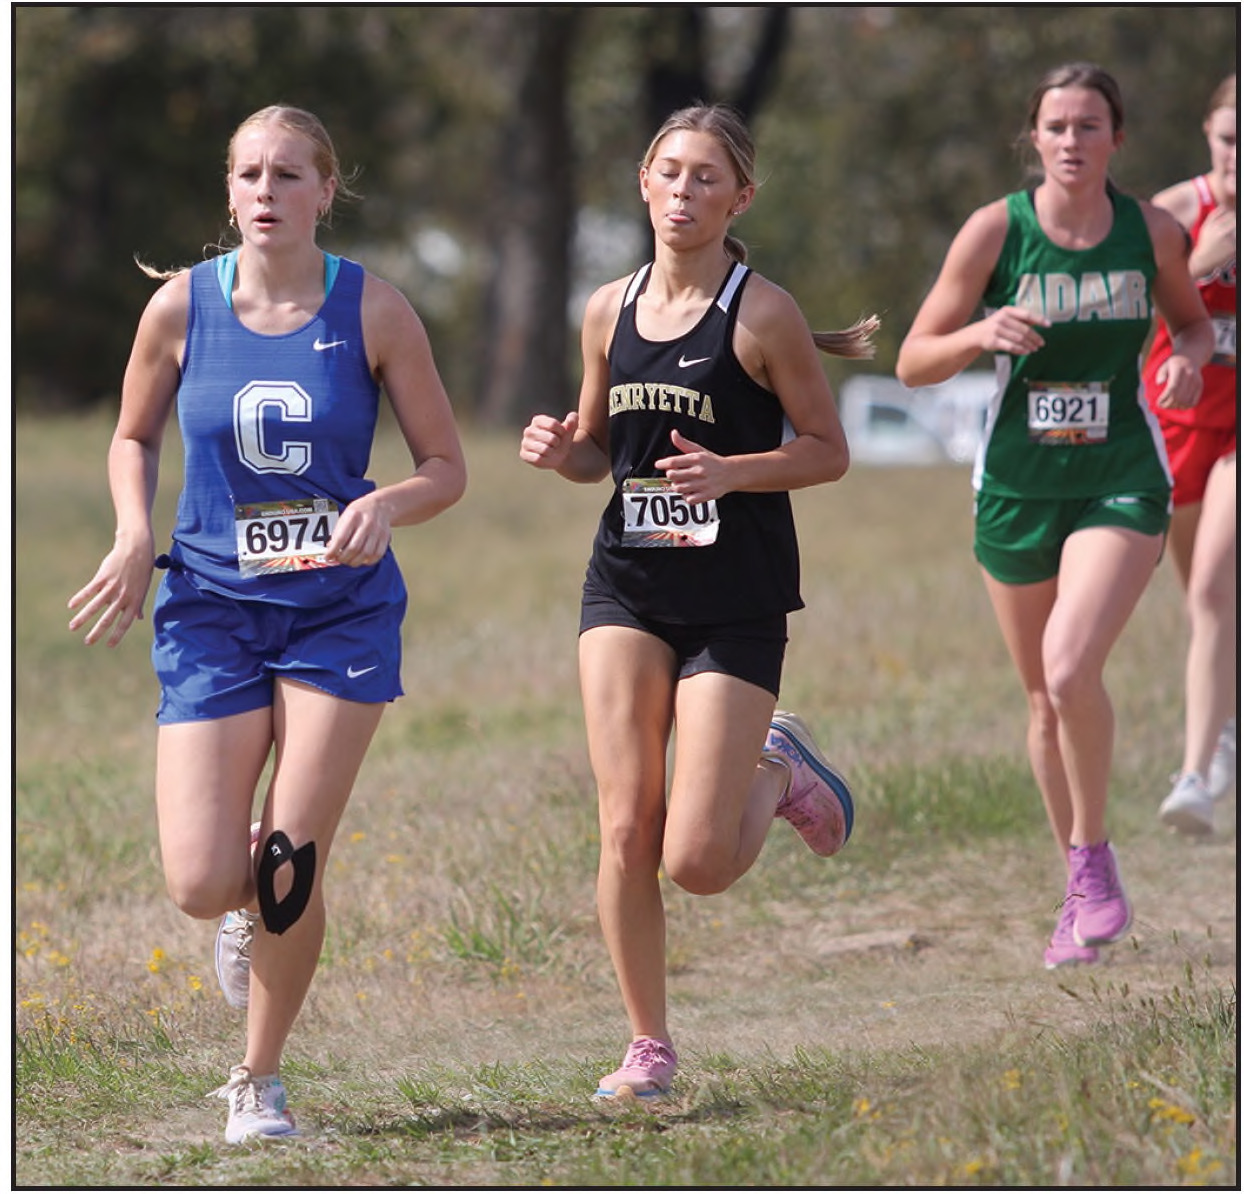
x=878, y=1019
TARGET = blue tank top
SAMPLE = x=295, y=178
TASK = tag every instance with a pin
x=696, y=384
x=265, y=419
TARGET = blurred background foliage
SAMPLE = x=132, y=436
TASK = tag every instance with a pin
x=496, y=149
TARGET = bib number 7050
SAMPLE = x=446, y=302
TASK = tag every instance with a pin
x=654, y=515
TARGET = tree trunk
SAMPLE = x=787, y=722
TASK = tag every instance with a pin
x=762, y=69
x=676, y=72
x=526, y=336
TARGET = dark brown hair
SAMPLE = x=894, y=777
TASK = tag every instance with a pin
x=1079, y=74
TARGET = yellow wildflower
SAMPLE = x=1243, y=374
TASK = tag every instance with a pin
x=1193, y=1165
x=1163, y=1110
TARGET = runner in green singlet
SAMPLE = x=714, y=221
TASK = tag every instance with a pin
x=1072, y=485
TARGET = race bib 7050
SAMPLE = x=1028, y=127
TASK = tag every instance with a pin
x=654, y=515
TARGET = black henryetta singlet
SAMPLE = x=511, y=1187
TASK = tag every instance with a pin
x=750, y=569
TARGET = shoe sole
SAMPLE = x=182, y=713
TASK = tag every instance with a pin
x=247, y=1137
x=1073, y=962
x=628, y=1094
x=1187, y=820
x=795, y=729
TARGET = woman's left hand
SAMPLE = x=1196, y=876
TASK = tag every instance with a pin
x=698, y=474
x=362, y=534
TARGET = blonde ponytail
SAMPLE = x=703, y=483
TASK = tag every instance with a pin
x=159, y=275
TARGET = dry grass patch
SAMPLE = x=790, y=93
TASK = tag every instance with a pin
x=841, y=1022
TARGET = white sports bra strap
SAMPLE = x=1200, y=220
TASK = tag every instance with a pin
x=732, y=284
x=636, y=284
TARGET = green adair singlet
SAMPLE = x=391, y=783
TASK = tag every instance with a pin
x=1070, y=420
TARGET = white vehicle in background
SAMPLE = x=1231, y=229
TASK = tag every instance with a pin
x=888, y=423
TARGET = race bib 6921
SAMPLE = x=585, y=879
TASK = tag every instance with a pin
x=1067, y=413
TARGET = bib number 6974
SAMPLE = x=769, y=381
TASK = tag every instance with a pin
x=283, y=536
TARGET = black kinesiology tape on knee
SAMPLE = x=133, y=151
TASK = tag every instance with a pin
x=279, y=915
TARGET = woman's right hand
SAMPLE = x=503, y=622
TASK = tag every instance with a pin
x=1012, y=330
x=547, y=441
x=1216, y=246
x=115, y=595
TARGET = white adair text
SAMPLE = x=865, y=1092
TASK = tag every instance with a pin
x=1062, y=298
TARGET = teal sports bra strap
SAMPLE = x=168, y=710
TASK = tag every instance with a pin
x=227, y=269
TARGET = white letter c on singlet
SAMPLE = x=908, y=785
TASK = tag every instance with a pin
x=249, y=404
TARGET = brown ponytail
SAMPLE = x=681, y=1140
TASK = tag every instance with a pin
x=855, y=342
x=736, y=250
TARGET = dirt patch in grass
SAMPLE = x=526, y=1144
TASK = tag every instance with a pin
x=936, y=954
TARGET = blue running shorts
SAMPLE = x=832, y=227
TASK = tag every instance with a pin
x=216, y=656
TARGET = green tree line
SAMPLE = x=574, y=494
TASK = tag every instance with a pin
x=496, y=149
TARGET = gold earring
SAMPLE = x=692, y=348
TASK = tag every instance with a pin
x=233, y=217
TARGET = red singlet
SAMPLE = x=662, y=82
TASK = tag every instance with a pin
x=1200, y=435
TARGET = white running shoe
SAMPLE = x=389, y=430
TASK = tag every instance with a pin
x=1222, y=776
x=256, y=1107
x=233, y=956
x=234, y=935
x=1189, y=808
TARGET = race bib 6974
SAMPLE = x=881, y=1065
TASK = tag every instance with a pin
x=284, y=536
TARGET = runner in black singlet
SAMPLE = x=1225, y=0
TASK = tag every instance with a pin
x=704, y=398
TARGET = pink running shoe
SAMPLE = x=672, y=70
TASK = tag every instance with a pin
x=817, y=801
x=1062, y=949
x=647, y=1071
x=1103, y=913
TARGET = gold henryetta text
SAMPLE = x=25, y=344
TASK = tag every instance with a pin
x=658, y=396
